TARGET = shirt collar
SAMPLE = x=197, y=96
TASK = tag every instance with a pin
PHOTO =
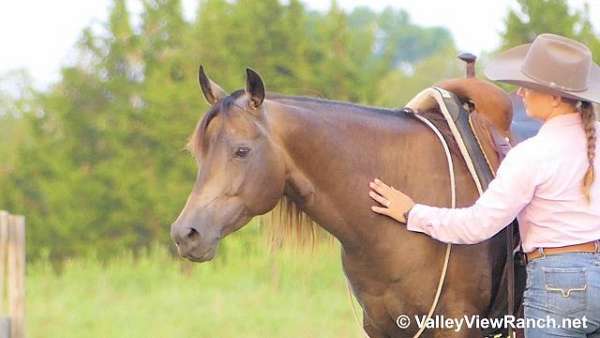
x=561, y=121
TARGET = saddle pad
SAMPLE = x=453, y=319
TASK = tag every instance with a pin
x=493, y=143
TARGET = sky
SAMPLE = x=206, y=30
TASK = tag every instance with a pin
x=39, y=36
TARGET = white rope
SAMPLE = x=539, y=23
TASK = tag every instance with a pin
x=448, y=246
x=453, y=203
x=354, y=312
x=422, y=99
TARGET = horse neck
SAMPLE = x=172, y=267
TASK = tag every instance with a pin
x=333, y=150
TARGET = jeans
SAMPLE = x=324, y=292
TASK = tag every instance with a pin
x=562, y=296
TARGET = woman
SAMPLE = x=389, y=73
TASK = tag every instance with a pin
x=546, y=181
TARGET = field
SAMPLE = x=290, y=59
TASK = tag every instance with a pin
x=246, y=293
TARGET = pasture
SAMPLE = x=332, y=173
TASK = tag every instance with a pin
x=246, y=292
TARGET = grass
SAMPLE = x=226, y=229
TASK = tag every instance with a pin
x=246, y=293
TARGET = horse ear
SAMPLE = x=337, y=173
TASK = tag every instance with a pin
x=212, y=92
x=255, y=88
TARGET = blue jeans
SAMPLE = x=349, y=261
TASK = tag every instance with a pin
x=562, y=296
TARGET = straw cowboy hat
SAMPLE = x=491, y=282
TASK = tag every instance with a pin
x=550, y=63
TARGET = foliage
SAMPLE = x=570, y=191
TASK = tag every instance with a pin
x=96, y=161
x=104, y=169
x=549, y=16
x=16, y=98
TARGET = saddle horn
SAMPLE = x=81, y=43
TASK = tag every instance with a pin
x=470, y=60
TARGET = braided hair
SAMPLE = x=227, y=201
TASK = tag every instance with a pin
x=588, y=117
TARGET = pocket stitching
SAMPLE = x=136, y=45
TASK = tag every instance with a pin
x=562, y=290
x=552, y=269
x=576, y=304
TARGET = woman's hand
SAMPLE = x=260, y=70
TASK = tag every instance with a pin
x=395, y=202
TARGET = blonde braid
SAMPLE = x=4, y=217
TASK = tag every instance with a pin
x=588, y=118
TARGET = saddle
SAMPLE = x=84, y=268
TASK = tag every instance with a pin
x=485, y=134
x=478, y=115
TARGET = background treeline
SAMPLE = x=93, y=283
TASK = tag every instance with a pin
x=95, y=161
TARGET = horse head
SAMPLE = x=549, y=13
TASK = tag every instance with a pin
x=241, y=173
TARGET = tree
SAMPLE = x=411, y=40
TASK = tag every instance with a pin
x=103, y=168
x=401, y=85
x=549, y=16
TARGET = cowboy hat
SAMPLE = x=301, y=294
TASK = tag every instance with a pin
x=550, y=63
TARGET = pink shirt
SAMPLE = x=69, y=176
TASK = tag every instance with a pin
x=538, y=182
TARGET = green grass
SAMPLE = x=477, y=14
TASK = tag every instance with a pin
x=246, y=293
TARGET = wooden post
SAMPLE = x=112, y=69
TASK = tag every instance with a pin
x=3, y=253
x=16, y=275
x=4, y=327
x=12, y=276
x=4, y=319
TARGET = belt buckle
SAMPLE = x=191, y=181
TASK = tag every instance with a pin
x=597, y=246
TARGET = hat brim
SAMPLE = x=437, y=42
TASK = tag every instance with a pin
x=506, y=67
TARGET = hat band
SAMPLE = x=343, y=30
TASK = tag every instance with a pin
x=552, y=84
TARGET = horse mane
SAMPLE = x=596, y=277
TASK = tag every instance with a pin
x=287, y=223
x=334, y=103
x=196, y=143
x=433, y=115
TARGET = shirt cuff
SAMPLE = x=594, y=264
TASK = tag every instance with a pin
x=415, y=222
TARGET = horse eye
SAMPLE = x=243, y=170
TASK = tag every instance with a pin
x=242, y=152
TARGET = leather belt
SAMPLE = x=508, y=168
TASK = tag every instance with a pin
x=593, y=246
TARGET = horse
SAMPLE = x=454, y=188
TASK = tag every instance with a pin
x=257, y=149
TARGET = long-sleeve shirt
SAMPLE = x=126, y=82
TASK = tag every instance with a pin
x=539, y=183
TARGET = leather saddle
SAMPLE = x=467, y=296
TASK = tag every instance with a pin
x=481, y=117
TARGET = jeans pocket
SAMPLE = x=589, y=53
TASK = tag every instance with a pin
x=565, y=289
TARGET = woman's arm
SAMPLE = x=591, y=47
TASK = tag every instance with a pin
x=510, y=191
x=507, y=194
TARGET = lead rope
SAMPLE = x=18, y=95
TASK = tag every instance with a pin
x=453, y=203
x=448, y=246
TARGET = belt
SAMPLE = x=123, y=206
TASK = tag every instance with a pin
x=593, y=246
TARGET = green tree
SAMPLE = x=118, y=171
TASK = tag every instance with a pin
x=102, y=166
x=16, y=97
x=401, y=85
x=549, y=16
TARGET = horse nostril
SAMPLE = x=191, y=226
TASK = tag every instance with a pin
x=193, y=234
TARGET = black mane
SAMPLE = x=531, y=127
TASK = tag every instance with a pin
x=334, y=103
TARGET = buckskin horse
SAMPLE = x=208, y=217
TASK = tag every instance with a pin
x=257, y=149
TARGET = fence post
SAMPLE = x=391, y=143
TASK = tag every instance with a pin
x=12, y=276
x=16, y=275
x=3, y=252
x=4, y=320
x=4, y=327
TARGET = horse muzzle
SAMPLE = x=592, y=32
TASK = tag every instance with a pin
x=192, y=245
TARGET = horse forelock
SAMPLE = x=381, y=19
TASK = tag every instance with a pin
x=197, y=141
